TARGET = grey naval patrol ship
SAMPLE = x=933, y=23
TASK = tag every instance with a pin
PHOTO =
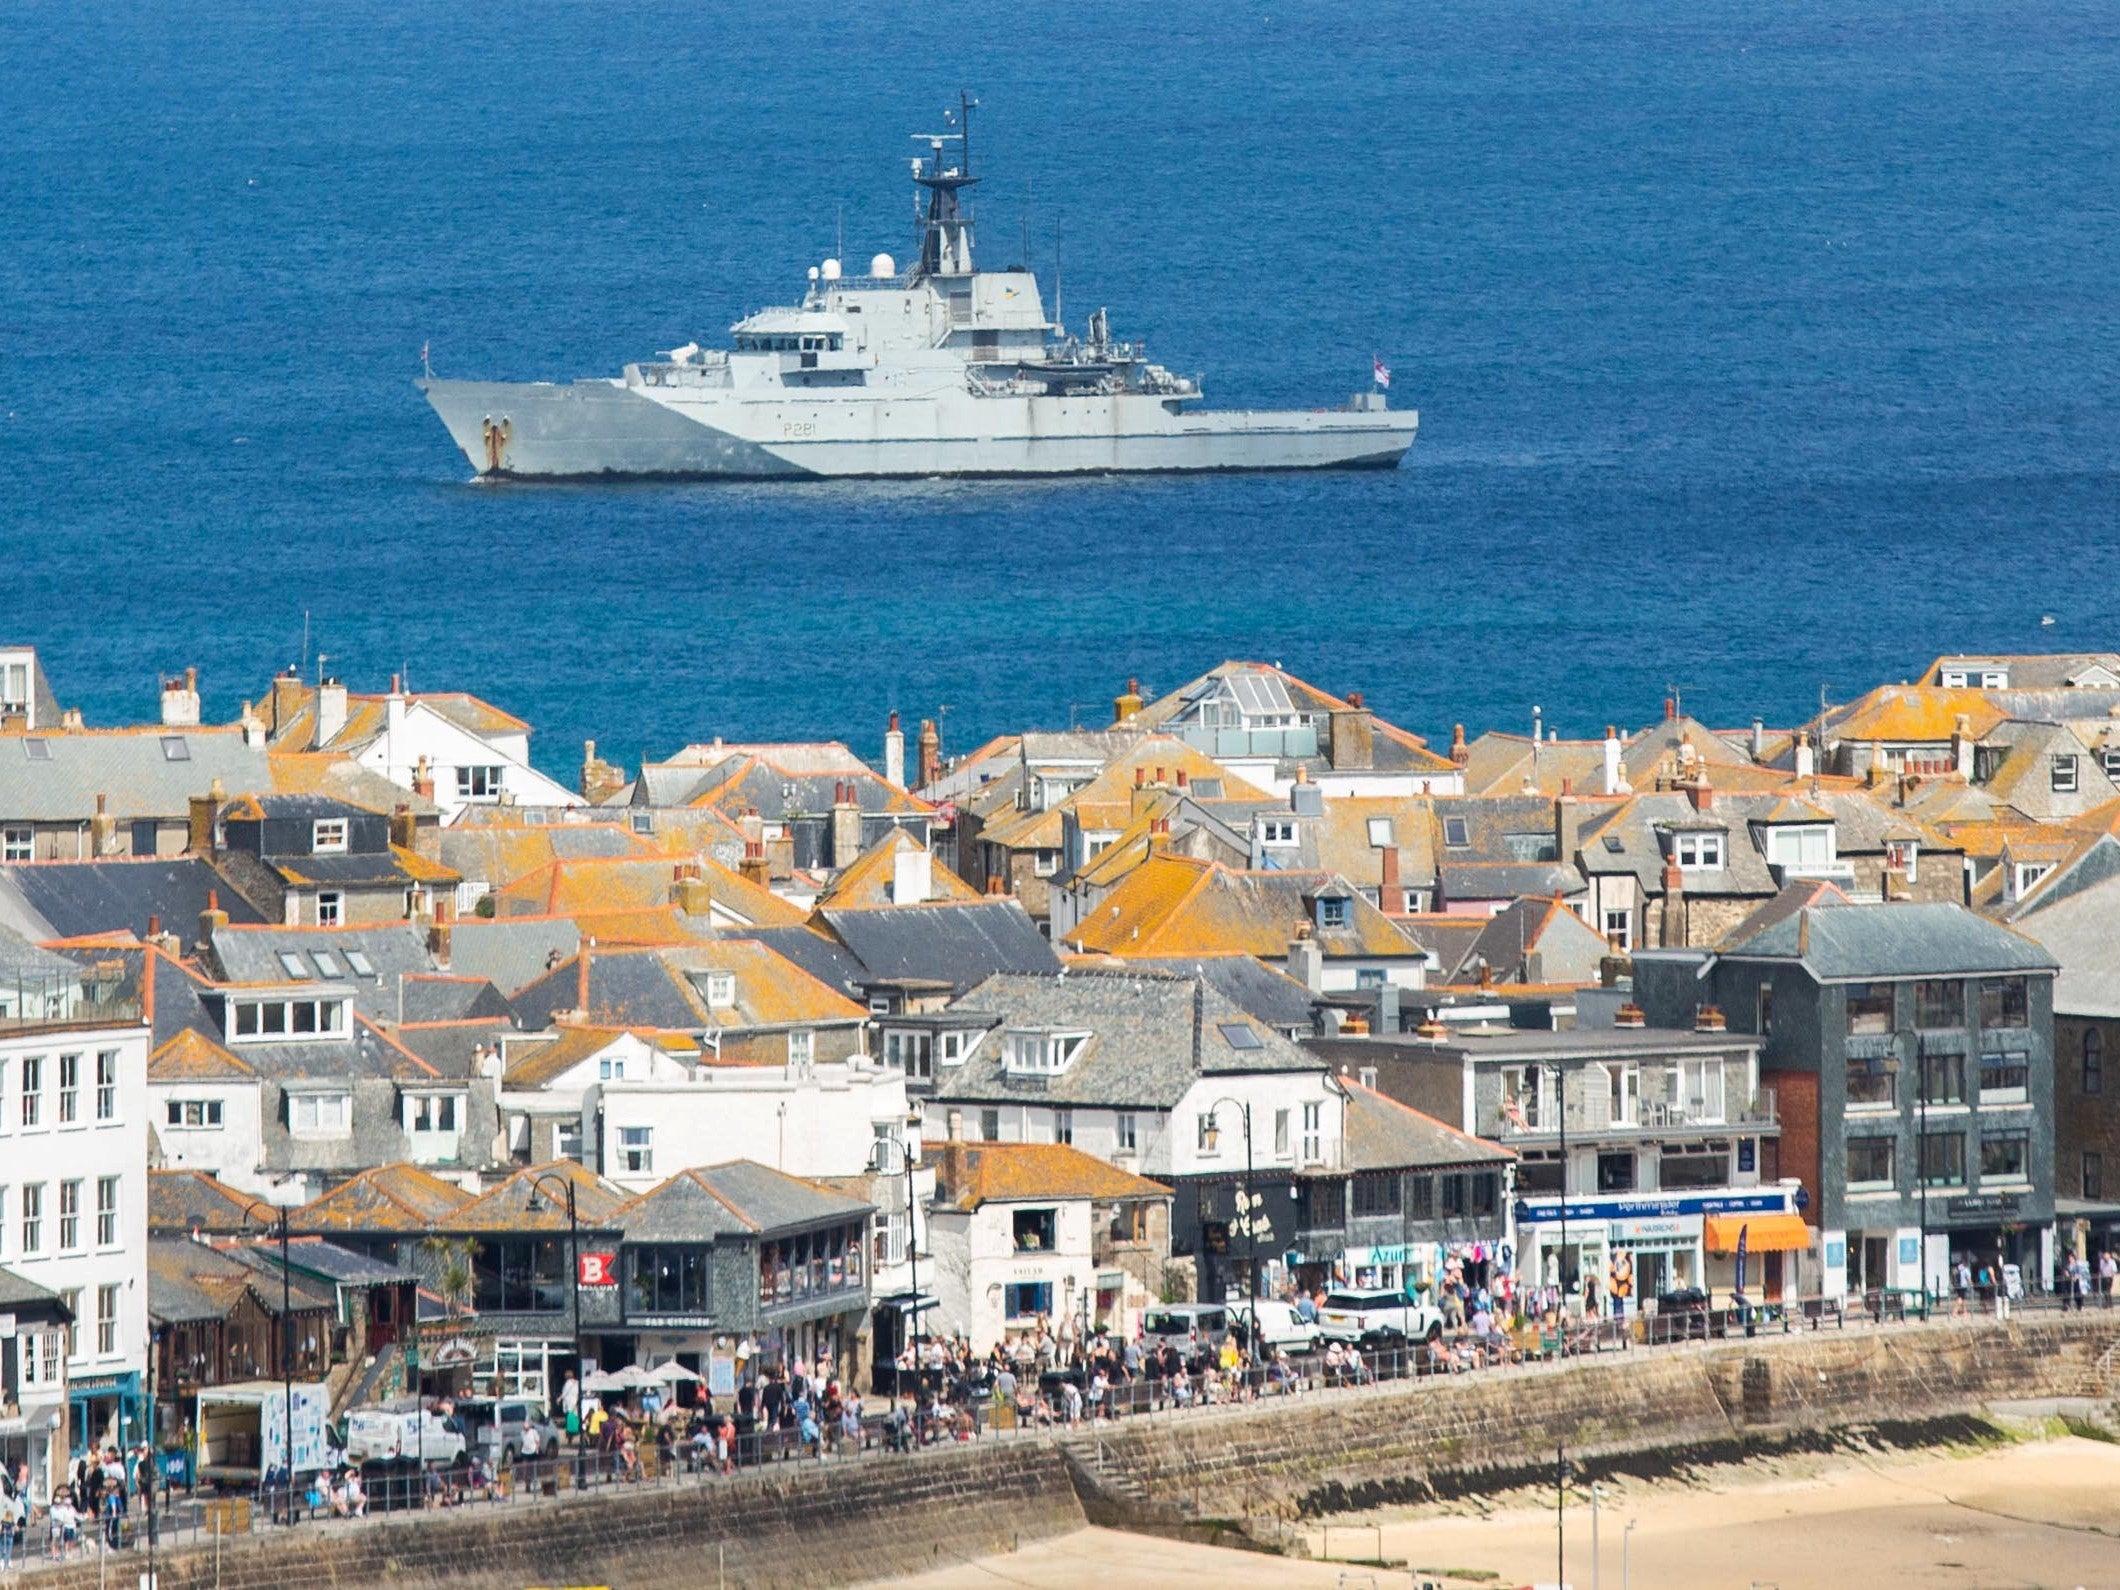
x=943, y=369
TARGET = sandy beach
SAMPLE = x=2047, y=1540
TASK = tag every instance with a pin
x=2039, y=1514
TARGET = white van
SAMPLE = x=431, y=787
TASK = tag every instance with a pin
x=1279, y=1324
x=1185, y=1326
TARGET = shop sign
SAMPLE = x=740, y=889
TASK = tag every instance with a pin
x=1985, y=1204
x=1662, y=1227
x=599, y=1269
x=1593, y=1210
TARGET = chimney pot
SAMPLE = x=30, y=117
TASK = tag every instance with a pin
x=1460, y=752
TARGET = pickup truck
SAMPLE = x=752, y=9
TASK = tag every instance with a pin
x=1376, y=1316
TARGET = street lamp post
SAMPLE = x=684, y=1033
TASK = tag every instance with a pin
x=574, y=1264
x=1251, y=1225
x=279, y=1213
x=880, y=1160
x=1921, y=1176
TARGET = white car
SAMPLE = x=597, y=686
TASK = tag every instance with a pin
x=1377, y=1314
x=1279, y=1324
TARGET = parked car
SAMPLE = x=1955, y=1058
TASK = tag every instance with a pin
x=1377, y=1314
x=1185, y=1326
x=1279, y=1325
x=494, y=1428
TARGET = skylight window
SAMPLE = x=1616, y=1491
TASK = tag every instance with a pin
x=37, y=750
x=1456, y=833
x=1239, y=1036
x=293, y=965
x=327, y=963
x=359, y=961
x=1380, y=833
x=175, y=748
x=1613, y=844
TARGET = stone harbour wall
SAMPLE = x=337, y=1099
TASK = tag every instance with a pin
x=824, y=1524
x=1409, y=1441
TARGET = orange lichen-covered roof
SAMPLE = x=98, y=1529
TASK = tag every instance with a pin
x=531, y=1200
x=196, y=1200
x=540, y=1066
x=970, y=1174
x=386, y=1198
x=647, y=925
x=868, y=879
x=1916, y=713
x=625, y=883
x=191, y=1056
x=1177, y=905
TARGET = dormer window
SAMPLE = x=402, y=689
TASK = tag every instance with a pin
x=1700, y=852
x=2026, y=876
x=1277, y=831
x=1335, y=911
x=327, y=836
x=2061, y=774
x=721, y=990
x=1800, y=846
x=253, y=1020
x=1041, y=1054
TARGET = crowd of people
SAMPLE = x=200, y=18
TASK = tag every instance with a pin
x=95, y=1500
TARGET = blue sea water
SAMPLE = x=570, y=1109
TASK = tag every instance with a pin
x=1760, y=350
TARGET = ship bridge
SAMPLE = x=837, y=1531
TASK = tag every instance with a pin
x=783, y=330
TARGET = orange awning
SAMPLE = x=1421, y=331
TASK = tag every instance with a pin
x=1766, y=1233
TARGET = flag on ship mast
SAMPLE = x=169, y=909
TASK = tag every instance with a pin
x=1379, y=371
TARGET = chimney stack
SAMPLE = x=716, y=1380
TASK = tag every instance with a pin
x=1962, y=746
x=1615, y=773
x=212, y=919
x=1674, y=906
x=404, y=827
x=754, y=867
x=1127, y=706
x=846, y=824
x=930, y=754
x=1759, y=739
x=600, y=779
x=1806, y=761
x=1391, y=893
x=180, y=701
x=894, y=753
x=253, y=728
x=1699, y=789
x=912, y=876
x=331, y=711
x=1352, y=747
x=1567, y=823
x=423, y=779
x=1306, y=962
x=102, y=829
x=205, y=814
x=1460, y=752
x=285, y=700
x=394, y=710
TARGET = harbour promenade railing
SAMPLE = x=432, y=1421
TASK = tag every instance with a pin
x=943, y=1412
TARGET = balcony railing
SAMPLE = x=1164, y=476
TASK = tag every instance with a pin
x=1762, y=1109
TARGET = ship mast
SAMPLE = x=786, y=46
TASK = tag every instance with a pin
x=946, y=230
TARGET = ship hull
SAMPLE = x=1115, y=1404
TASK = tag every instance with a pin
x=622, y=430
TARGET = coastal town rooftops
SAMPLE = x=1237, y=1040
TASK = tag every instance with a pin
x=2077, y=931
x=1260, y=701
x=2097, y=670
x=189, y=1282
x=726, y=983
x=739, y=1197
x=368, y=716
x=968, y=1175
x=1144, y=1040
x=514, y=952
x=497, y=854
x=878, y=875
x=1262, y=992
x=191, y=1056
x=534, y=1199
x=1914, y=714
x=368, y=961
x=593, y=885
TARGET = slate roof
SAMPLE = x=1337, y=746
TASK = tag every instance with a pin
x=738, y=1198
x=540, y=1066
x=252, y=954
x=970, y=1174
x=19, y=1292
x=449, y=996
x=451, y=1047
x=19, y=958
x=761, y=778
x=1383, y=1134
x=498, y=854
x=511, y=953
x=73, y=899
x=1835, y=940
x=1569, y=949
x=132, y=767
x=386, y=1198
x=1145, y=1032
x=2077, y=932
x=822, y=956
x=954, y=944
x=188, y=1281
x=666, y=988
x=339, y=777
x=1267, y=995
x=193, y=1200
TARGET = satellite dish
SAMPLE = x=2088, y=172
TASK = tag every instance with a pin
x=883, y=265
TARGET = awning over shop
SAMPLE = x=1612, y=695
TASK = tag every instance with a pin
x=1782, y=1233
x=908, y=1303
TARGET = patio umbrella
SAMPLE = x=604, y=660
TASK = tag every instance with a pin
x=673, y=1373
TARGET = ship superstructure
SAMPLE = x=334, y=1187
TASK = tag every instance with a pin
x=940, y=369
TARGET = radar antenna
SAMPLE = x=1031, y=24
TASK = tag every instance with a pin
x=946, y=229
